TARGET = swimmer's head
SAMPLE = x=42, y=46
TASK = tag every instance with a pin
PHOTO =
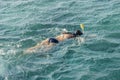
x=78, y=33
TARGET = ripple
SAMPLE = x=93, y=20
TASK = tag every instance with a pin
x=102, y=45
x=63, y=17
x=26, y=43
x=113, y=75
x=114, y=35
x=69, y=54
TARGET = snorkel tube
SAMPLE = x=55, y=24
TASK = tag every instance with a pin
x=79, y=32
x=82, y=27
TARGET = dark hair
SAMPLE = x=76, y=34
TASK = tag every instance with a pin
x=78, y=32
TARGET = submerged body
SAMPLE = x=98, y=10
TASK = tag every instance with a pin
x=53, y=41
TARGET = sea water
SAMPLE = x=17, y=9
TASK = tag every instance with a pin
x=93, y=56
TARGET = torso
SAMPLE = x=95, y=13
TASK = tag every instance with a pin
x=64, y=37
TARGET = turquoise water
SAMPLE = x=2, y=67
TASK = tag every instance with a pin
x=24, y=23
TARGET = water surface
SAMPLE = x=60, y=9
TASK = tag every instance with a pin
x=24, y=23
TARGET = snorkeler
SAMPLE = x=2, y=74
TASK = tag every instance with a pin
x=53, y=41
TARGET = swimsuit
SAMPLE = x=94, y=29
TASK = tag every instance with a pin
x=53, y=40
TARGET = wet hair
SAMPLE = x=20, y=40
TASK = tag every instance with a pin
x=78, y=33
